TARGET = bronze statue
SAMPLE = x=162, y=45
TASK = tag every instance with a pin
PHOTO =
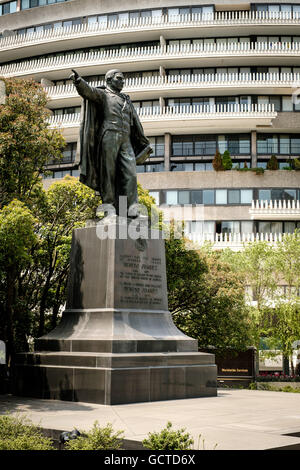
x=112, y=140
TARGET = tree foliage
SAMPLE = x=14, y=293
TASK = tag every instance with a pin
x=273, y=274
x=211, y=307
x=27, y=143
x=226, y=160
x=217, y=162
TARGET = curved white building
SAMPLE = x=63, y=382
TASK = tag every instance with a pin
x=203, y=76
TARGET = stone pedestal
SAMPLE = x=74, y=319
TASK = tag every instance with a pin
x=116, y=342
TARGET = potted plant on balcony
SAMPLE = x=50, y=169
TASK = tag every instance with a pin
x=226, y=160
x=273, y=164
x=218, y=162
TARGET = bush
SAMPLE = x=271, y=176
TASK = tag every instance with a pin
x=297, y=164
x=226, y=160
x=217, y=162
x=168, y=439
x=97, y=439
x=18, y=433
x=277, y=378
x=273, y=163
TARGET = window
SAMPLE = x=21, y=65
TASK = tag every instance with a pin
x=158, y=146
x=264, y=194
x=8, y=7
x=246, y=196
x=196, y=197
x=208, y=196
x=247, y=226
x=25, y=4
x=171, y=197
x=233, y=196
x=155, y=195
x=221, y=196
x=230, y=227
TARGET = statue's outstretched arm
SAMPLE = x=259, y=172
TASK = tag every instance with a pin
x=84, y=89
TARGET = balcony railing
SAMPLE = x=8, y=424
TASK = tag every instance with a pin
x=187, y=81
x=140, y=54
x=175, y=113
x=229, y=19
x=270, y=210
x=235, y=241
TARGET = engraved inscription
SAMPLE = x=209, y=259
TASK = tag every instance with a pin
x=140, y=280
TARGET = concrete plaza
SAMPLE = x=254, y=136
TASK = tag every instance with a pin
x=234, y=420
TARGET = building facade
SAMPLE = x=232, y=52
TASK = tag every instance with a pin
x=203, y=76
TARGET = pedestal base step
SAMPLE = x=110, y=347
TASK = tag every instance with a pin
x=112, y=379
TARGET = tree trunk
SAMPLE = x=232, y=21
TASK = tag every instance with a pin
x=9, y=308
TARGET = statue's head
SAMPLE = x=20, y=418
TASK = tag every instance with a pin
x=115, y=79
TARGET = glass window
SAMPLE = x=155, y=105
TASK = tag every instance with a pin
x=246, y=196
x=183, y=197
x=276, y=227
x=24, y=4
x=13, y=7
x=207, y=10
x=221, y=196
x=124, y=17
x=196, y=197
x=230, y=227
x=155, y=195
x=209, y=227
x=173, y=11
x=287, y=103
x=264, y=227
x=200, y=166
x=233, y=196
x=246, y=226
x=156, y=13
x=276, y=101
x=171, y=197
x=289, y=194
x=284, y=144
x=208, y=196
x=222, y=143
x=289, y=227
x=295, y=145
x=264, y=194
x=188, y=147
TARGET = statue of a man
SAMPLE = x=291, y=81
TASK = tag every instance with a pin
x=112, y=140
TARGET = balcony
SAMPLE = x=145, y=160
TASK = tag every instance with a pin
x=186, y=119
x=234, y=241
x=183, y=85
x=218, y=23
x=275, y=210
x=145, y=58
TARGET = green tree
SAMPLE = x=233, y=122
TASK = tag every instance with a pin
x=26, y=142
x=282, y=324
x=67, y=205
x=226, y=160
x=206, y=298
x=17, y=240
